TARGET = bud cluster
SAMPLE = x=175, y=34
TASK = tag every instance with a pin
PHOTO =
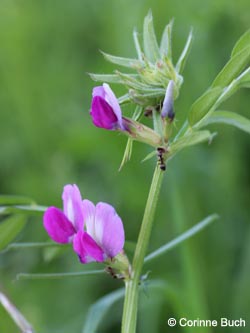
x=152, y=87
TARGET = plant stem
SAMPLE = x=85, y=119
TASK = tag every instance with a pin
x=132, y=286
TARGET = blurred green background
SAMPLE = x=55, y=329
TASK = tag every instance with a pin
x=47, y=140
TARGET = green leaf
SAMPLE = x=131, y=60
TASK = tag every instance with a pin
x=178, y=240
x=151, y=48
x=10, y=228
x=110, y=78
x=203, y=105
x=190, y=139
x=233, y=68
x=149, y=156
x=21, y=246
x=229, y=118
x=125, y=62
x=53, y=276
x=127, y=153
x=243, y=42
x=184, y=55
x=243, y=80
x=137, y=45
x=24, y=209
x=166, y=41
x=6, y=200
x=98, y=310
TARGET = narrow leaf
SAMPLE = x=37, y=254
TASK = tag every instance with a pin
x=149, y=156
x=243, y=80
x=191, y=139
x=229, y=118
x=110, y=78
x=240, y=82
x=233, y=68
x=20, y=246
x=127, y=153
x=126, y=62
x=166, y=41
x=203, y=104
x=178, y=240
x=10, y=228
x=243, y=42
x=42, y=276
x=151, y=48
x=22, y=209
x=184, y=55
x=98, y=310
x=137, y=45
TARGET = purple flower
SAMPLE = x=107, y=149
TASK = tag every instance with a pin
x=96, y=231
x=105, y=109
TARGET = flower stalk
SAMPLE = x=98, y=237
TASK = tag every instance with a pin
x=132, y=285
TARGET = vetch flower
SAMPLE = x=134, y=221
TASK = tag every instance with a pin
x=168, y=103
x=96, y=232
x=105, y=109
x=106, y=113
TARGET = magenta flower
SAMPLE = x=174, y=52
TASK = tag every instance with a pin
x=96, y=231
x=105, y=109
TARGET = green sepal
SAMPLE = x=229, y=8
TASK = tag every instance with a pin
x=185, y=53
x=138, y=45
x=109, y=78
x=166, y=41
x=125, y=62
x=151, y=48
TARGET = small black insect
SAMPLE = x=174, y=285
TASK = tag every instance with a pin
x=161, y=160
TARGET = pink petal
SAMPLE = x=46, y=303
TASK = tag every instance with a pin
x=89, y=216
x=87, y=249
x=102, y=114
x=109, y=232
x=99, y=91
x=59, y=228
x=113, y=102
x=72, y=205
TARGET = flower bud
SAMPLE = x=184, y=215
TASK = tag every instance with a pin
x=105, y=109
x=168, y=103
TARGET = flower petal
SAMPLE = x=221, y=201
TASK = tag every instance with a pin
x=87, y=249
x=168, y=103
x=109, y=232
x=89, y=216
x=113, y=102
x=99, y=91
x=72, y=205
x=102, y=114
x=59, y=228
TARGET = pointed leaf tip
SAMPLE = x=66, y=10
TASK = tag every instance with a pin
x=151, y=48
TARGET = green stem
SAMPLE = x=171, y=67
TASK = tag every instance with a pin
x=132, y=285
